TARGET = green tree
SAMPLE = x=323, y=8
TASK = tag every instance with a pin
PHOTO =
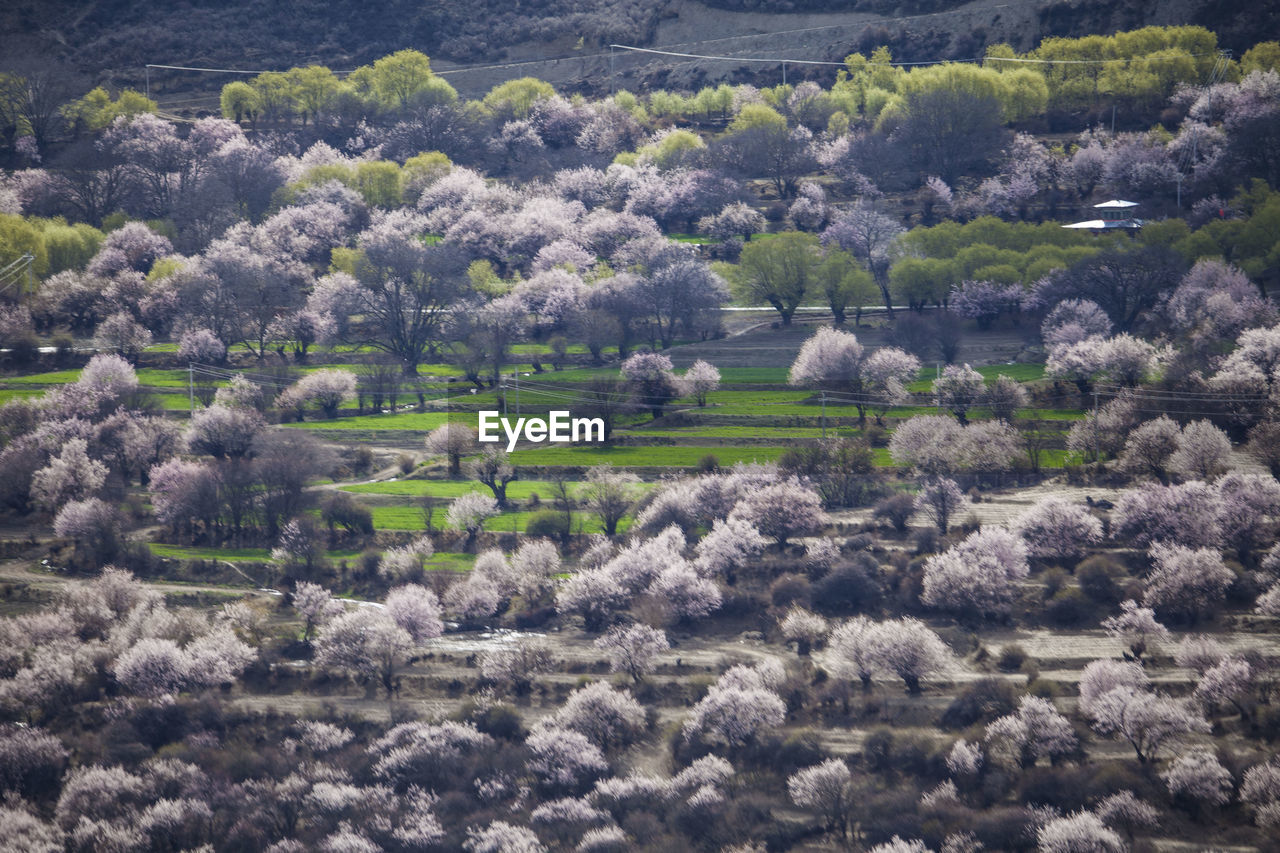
x=514, y=98
x=399, y=78
x=314, y=89
x=777, y=270
x=845, y=284
x=920, y=281
x=240, y=101
x=378, y=183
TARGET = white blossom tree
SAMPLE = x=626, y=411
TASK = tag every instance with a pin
x=1137, y=627
x=959, y=389
x=699, y=380
x=453, y=441
x=1198, y=776
x=804, y=628
x=633, y=649
x=824, y=788
x=1077, y=833
x=1186, y=582
x=1056, y=529
x=978, y=576
x=416, y=610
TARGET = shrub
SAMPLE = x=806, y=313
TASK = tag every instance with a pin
x=980, y=702
x=897, y=510
x=548, y=523
x=851, y=588
x=1011, y=659
x=1068, y=608
x=1096, y=578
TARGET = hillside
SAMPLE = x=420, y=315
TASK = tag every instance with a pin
x=111, y=42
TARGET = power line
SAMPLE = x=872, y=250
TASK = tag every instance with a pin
x=771, y=61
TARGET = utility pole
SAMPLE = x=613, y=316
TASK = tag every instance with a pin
x=612, y=90
x=517, y=375
x=824, y=414
x=191, y=387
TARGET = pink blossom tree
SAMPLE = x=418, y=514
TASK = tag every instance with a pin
x=910, y=650
x=633, y=649
x=224, y=433
x=96, y=526
x=469, y=512
x=929, y=444
x=502, y=837
x=453, y=441
x=804, y=628
x=416, y=610
x=327, y=389
x=1077, y=832
x=563, y=759
x=362, y=642
x=473, y=601
x=122, y=335
x=315, y=605
x=595, y=595
x=1198, y=777
x=1036, y=730
x=979, y=576
x=1260, y=790
x=735, y=716
x=781, y=511
x=1150, y=722
x=1230, y=680
x=406, y=562
x=1074, y=320
x=652, y=379
x=1136, y=627
x=1186, y=582
x=607, y=717
x=827, y=789
x=833, y=361
x=889, y=370
x=1150, y=448
x=699, y=380
x=959, y=388
x=69, y=476
x=1249, y=501
x=1203, y=452
x=1058, y=530
x=1188, y=514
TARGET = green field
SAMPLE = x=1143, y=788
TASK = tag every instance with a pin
x=642, y=457
x=517, y=490
x=410, y=518
x=424, y=421
x=231, y=555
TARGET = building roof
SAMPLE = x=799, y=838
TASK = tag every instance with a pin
x=1115, y=203
x=1105, y=224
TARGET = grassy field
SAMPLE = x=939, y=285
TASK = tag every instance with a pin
x=424, y=421
x=642, y=457
x=410, y=518
x=517, y=490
